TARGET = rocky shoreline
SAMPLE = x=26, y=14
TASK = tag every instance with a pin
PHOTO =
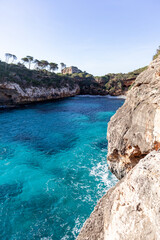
x=20, y=85
x=13, y=95
x=130, y=210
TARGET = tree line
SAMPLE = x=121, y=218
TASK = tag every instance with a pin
x=35, y=63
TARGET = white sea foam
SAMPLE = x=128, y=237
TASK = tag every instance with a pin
x=65, y=237
x=50, y=185
x=90, y=96
x=116, y=97
x=101, y=173
x=47, y=238
x=107, y=96
x=77, y=227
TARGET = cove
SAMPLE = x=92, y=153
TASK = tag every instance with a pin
x=53, y=167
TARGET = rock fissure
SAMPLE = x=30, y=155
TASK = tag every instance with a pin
x=131, y=209
x=134, y=130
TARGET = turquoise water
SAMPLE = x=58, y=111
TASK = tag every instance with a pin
x=53, y=166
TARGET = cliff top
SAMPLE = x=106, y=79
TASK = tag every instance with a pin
x=25, y=77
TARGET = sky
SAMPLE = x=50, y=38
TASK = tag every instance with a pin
x=99, y=37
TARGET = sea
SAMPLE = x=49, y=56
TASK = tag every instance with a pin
x=53, y=166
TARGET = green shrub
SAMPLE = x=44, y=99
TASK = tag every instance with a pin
x=157, y=53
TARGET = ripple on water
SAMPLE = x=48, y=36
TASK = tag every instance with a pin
x=53, y=167
x=8, y=191
x=101, y=144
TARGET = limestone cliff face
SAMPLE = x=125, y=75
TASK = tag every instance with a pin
x=11, y=94
x=130, y=210
x=134, y=130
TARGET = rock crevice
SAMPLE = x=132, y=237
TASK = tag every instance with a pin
x=134, y=130
x=131, y=209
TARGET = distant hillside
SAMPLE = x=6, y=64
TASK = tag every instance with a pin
x=18, y=73
x=20, y=85
x=120, y=83
x=112, y=84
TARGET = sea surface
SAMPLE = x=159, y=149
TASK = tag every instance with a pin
x=53, y=166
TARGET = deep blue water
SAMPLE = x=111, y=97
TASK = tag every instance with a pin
x=53, y=166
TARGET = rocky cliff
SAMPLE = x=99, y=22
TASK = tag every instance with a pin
x=20, y=85
x=130, y=210
x=134, y=130
x=12, y=94
x=109, y=84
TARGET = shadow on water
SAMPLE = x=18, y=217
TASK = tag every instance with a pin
x=101, y=144
x=8, y=191
x=48, y=146
x=58, y=151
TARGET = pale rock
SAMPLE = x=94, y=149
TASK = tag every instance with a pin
x=131, y=209
x=12, y=94
x=134, y=130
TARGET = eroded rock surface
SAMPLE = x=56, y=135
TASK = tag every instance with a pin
x=134, y=130
x=12, y=94
x=131, y=209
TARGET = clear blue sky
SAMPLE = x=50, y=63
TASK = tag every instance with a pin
x=97, y=36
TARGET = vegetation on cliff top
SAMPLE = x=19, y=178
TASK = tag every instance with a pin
x=18, y=73
x=109, y=84
x=157, y=53
x=121, y=81
x=34, y=72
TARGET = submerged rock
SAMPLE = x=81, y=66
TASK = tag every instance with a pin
x=134, y=130
x=130, y=210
